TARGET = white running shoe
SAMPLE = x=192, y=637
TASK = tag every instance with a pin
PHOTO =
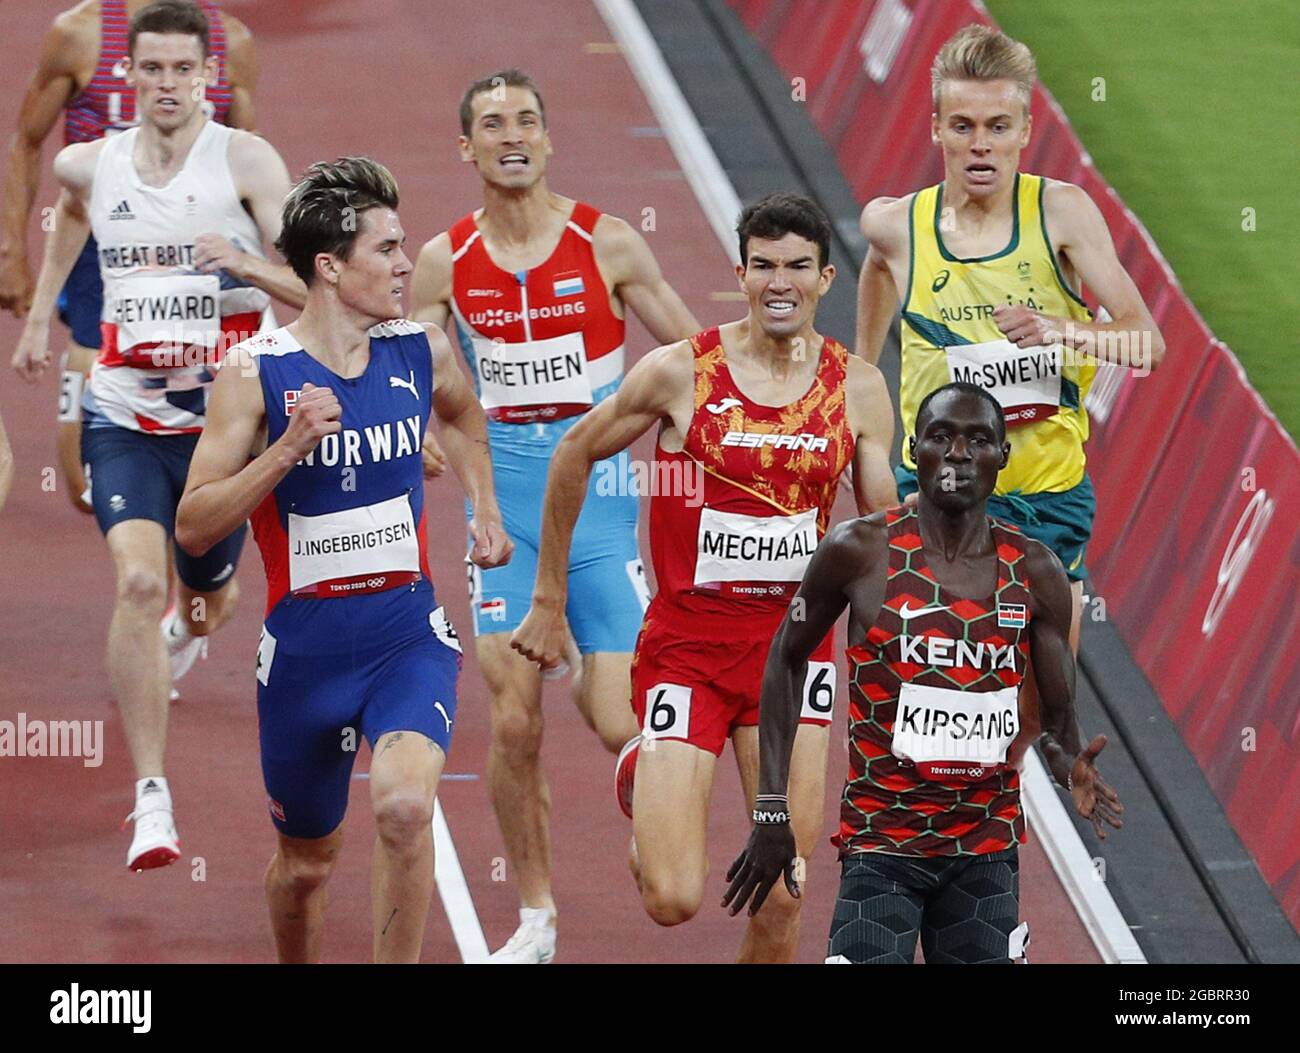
x=530, y=945
x=183, y=648
x=155, y=843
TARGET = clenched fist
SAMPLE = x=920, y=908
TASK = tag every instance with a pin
x=317, y=413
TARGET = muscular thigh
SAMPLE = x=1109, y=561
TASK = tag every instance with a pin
x=807, y=788
x=670, y=809
x=974, y=915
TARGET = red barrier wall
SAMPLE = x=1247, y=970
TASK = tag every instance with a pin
x=1195, y=549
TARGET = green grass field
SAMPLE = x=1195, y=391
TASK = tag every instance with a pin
x=1199, y=122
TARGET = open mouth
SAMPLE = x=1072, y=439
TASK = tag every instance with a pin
x=513, y=161
x=780, y=308
x=980, y=171
x=170, y=105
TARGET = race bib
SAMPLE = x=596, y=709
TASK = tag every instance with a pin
x=744, y=555
x=181, y=310
x=1026, y=381
x=536, y=380
x=354, y=551
x=951, y=734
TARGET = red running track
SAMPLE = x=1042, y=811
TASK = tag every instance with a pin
x=382, y=78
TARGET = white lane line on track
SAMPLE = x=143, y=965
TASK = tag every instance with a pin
x=717, y=197
x=713, y=190
x=1065, y=850
x=454, y=892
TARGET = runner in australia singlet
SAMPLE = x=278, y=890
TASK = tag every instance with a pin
x=948, y=333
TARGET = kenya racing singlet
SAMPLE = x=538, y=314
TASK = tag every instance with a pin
x=165, y=324
x=736, y=516
x=933, y=707
x=107, y=104
x=544, y=344
x=342, y=535
x=948, y=334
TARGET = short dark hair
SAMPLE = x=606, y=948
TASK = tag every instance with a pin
x=170, y=16
x=780, y=214
x=961, y=387
x=321, y=212
x=502, y=78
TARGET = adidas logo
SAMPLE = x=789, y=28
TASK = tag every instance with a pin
x=122, y=211
x=151, y=787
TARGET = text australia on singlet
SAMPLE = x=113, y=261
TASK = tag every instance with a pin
x=367, y=540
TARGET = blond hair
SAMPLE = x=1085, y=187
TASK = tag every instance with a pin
x=979, y=52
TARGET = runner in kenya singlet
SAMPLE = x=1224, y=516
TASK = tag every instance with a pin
x=932, y=709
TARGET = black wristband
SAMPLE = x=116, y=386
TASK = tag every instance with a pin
x=773, y=817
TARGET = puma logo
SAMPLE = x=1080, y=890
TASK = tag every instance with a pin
x=398, y=382
x=438, y=707
x=723, y=406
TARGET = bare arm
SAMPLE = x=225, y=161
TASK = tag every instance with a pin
x=262, y=183
x=630, y=266
x=74, y=168
x=849, y=553
x=660, y=387
x=51, y=87
x=871, y=415
x=224, y=486
x=6, y=466
x=1131, y=337
x=241, y=74
x=884, y=225
x=431, y=282
x=464, y=433
x=1054, y=669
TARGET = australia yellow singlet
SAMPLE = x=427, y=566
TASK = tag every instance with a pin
x=949, y=306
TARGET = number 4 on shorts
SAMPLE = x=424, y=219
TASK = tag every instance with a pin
x=667, y=712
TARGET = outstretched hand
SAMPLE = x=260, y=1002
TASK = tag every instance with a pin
x=1093, y=798
x=770, y=854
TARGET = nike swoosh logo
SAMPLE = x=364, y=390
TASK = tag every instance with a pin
x=906, y=612
x=723, y=406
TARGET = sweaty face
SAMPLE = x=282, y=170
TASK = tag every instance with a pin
x=507, y=140
x=783, y=283
x=982, y=127
x=169, y=75
x=372, y=278
x=957, y=452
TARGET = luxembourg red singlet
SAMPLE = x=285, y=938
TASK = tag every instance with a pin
x=544, y=344
x=736, y=515
x=933, y=707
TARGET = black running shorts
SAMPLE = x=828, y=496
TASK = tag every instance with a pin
x=966, y=909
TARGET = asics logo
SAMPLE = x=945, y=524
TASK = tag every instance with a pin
x=906, y=611
x=940, y=280
x=723, y=406
x=398, y=382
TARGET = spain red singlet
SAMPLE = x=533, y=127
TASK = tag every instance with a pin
x=933, y=707
x=739, y=543
x=107, y=104
x=544, y=343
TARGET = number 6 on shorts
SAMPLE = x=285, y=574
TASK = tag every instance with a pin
x=667, y=712
x=818, y=692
